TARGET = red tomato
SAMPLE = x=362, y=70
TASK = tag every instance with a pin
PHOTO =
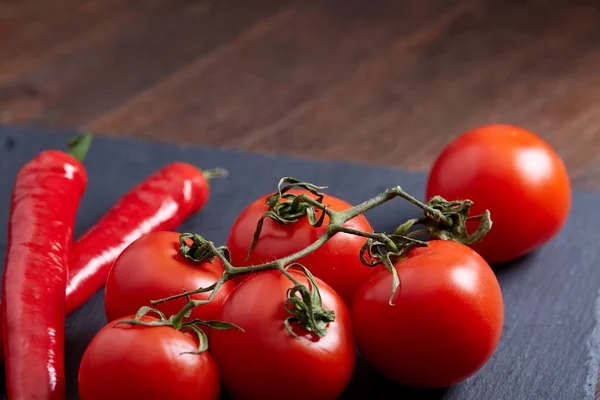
x=151, y=268
x=337, y=262
x=265, y=360
x=514, y=174
x=445, y=323
x=138, y=362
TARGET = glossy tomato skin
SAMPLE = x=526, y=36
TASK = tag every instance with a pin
x=126, y=362
x=151, y=268
x=337, y=262
x=514, y=174
x=265, y=361
x=446, y=320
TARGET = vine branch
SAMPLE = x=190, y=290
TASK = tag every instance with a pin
x=441, y=219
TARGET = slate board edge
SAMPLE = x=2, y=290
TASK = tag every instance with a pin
x=594, y=354
x=113, y=137
x=593, y=343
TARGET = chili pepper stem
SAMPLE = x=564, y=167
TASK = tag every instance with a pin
x=215, y=173
x=79, y=146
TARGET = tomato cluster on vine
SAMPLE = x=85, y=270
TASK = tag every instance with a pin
x=304, y=281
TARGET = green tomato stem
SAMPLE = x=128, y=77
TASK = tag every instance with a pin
x=442, y=219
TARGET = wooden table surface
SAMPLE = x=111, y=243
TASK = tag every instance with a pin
x=382, y=82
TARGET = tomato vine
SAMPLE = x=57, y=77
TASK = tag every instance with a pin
x=441, y=219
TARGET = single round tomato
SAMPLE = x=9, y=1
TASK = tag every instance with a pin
x=514, y=174
x=337, y=262
x=151, y=268
x=140, y=362
x=445, y=321
x=266, y=361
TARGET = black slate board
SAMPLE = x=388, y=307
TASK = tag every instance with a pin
x=549, y=348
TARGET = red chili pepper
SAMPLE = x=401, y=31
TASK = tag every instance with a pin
x=44, y=203
x=160, y=203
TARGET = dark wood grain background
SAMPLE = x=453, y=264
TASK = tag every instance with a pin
x=383, y=82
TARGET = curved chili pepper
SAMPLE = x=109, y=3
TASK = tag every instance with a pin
x=161, y=202
x=44, y=203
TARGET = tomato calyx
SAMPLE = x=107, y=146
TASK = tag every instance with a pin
x=293, y=207
x=447, y=220
x=386, y=251
x=195, y=248
x=458, y=212
x=305, y=305
x=177, y=322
